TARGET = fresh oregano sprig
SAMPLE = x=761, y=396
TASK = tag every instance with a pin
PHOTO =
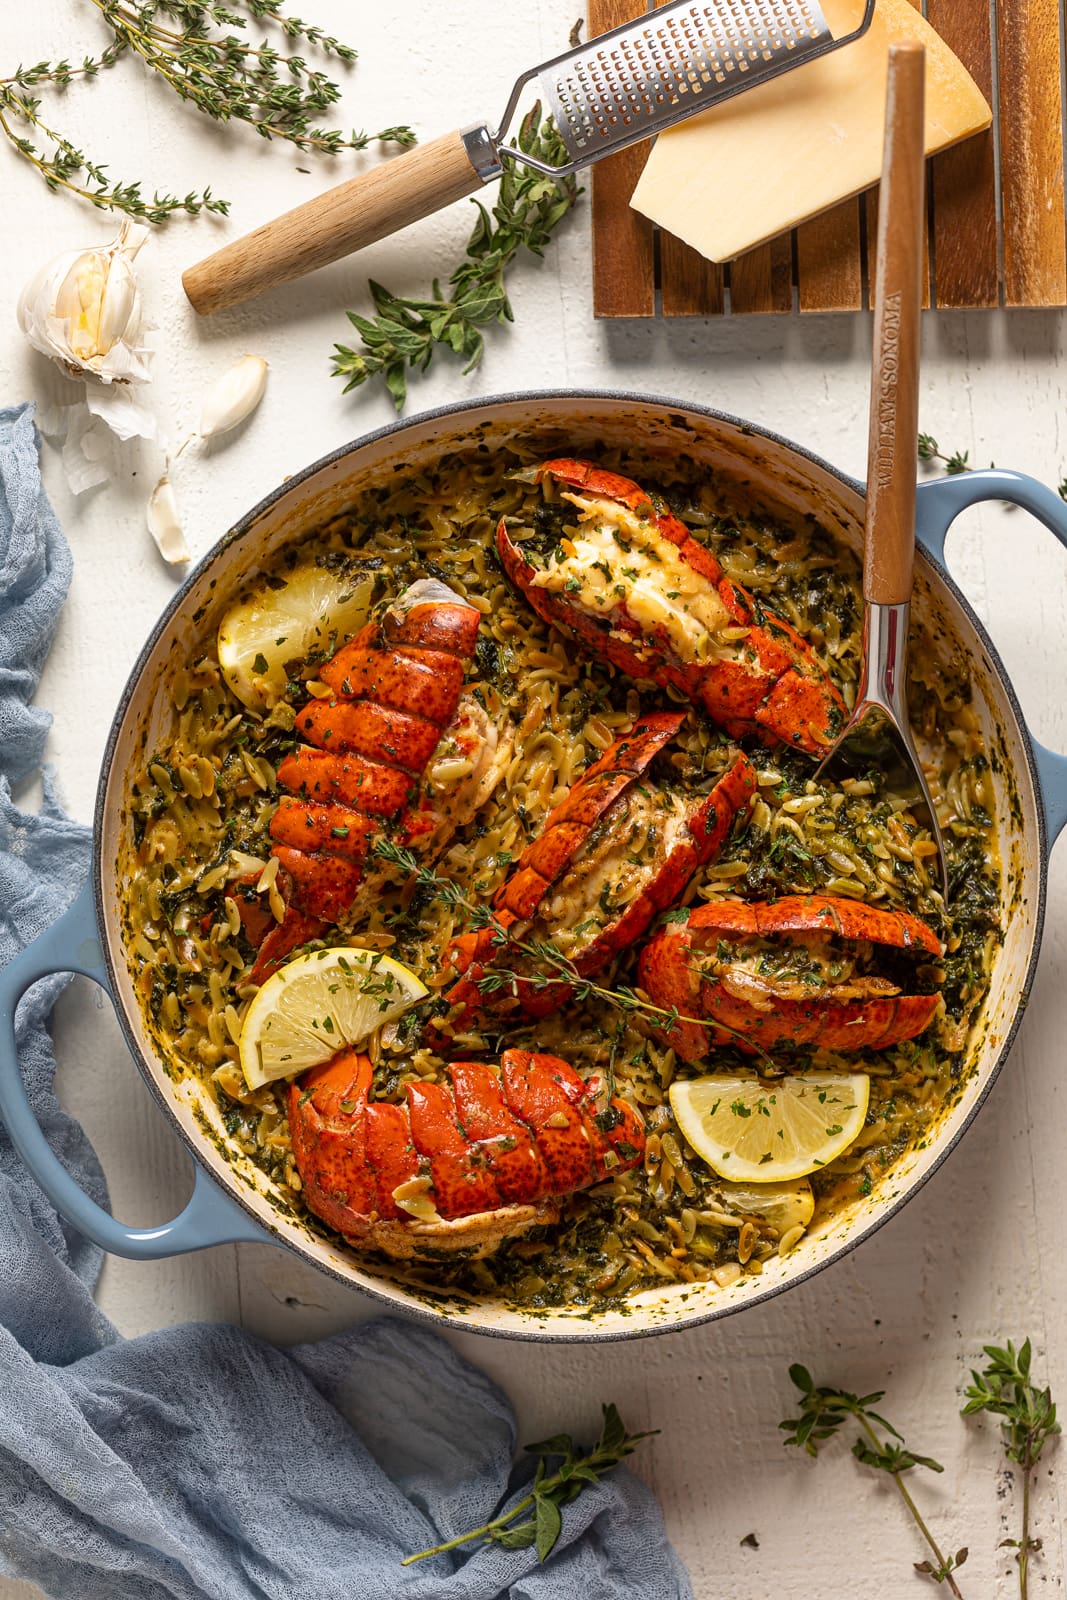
x=541, y=1510
x=191, y=45
x=1027, y=1412
x=405, y=332
x=554, y=969
x=822, y=1413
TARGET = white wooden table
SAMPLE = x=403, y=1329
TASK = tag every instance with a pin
x=979, y=1254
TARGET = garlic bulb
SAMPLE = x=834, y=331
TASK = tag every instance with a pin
x=84, y=310
x=233, y=397
x=164, y=523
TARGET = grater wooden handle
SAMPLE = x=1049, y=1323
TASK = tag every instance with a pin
x=889, y=530
x=345, y=218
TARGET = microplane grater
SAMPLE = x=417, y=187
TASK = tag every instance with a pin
x=621, y=87
x=647, y=75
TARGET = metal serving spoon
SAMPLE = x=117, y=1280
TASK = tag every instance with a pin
x=878, y=732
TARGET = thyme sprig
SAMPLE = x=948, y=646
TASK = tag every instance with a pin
x=955, y=463
x=405, y=332
x=822, y=1413
x=554, y=969
x=541, y=1509
x=191, y=45
x=232, y=80
x=62, y=164
x=958, y=461
x=1027, y=1411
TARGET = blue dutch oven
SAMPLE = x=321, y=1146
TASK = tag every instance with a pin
x=231, y=1200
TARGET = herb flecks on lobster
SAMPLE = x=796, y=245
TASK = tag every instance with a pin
x=800, y=970
x=459, y=1167
x=615, y=852
x=396, y=743
x=640, y=592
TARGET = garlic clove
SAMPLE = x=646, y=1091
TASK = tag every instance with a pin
x=78, y=302
x=119, y=316
x=233, y=397
x=164, y=523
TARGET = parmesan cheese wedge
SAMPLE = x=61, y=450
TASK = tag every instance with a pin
x=757, y=165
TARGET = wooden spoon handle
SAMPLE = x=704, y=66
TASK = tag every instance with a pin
x=889, y=532
x=345, y=218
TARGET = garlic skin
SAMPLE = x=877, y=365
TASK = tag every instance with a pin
x=84, y=310
x=164, y=523
x=233, y=397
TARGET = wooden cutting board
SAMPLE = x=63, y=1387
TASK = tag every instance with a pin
x=996, y=233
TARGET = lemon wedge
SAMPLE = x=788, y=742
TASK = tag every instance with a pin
x=782, y=1205
x=758, y=1132
x=320, y=1003
x=267, y=627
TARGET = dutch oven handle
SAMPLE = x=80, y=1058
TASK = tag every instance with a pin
x=937, y=506
x=211, y=1217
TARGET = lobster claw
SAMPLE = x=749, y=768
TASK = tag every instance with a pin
x=637, y=590
x=800, y=970
x=612, y=855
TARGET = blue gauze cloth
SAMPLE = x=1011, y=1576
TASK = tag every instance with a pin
x=199, y=1461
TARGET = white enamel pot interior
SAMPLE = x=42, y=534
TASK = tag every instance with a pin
x=770, y=474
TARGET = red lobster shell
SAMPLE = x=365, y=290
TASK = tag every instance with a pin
x=492, y=1155
x=607, y=795
x=395, y=690
x=766, y=680
x=693, y=967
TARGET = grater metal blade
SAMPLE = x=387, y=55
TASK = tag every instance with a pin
x=635, y=81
